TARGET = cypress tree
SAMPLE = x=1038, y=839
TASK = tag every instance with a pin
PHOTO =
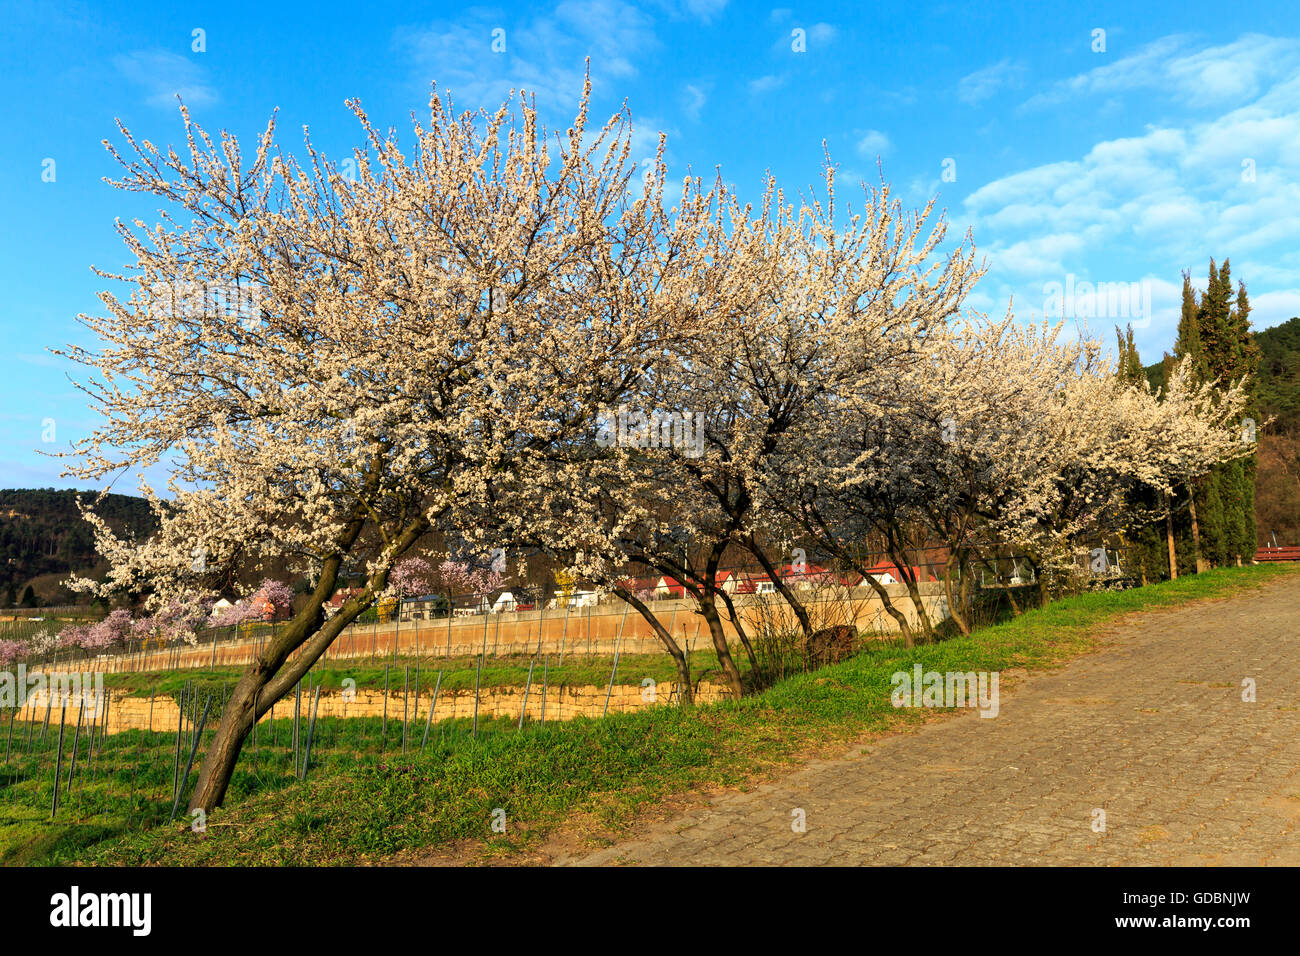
x=1191, y=326
x=1246, y=355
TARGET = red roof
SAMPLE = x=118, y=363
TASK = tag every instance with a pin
x=341, y=595
x=671, y=585
x=886, y=567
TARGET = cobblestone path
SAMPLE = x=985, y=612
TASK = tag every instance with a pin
x=1151, y=729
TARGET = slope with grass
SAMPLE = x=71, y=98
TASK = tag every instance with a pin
x=607, y=771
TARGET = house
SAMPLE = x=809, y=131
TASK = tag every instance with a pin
x=641, y=586
x=424, y=607
x=727, y=581
x=341, y=595
x=667, y=587
x=805, y=576
x=504, y=602
x=888, y=573
x=219, y=607
x=575, y=599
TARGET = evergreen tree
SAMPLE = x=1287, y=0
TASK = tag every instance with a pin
x=1189, y=326
x=1213, y=325
x=1192, y=500
x=1146, y=552
x=1246, y=356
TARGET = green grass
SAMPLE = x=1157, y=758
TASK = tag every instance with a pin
x=458, y=673
x=359, y=804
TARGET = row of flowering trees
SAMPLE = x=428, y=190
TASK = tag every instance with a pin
x=504, y=339
x=178, y=621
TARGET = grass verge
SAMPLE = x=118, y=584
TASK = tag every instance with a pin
x=606, y=770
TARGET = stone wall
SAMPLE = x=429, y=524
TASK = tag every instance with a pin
x=561, y=703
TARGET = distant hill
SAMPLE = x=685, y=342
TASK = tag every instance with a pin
x=43, y=538
x=1277, y=483
x=1279, y=374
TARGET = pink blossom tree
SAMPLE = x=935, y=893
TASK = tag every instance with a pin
x=12, y=651
x=112, y=630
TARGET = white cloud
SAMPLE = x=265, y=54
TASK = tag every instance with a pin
x=166, y=75
x=1218, y=75
x=874, y=143
x=822, y=33
x=705, y=10
x=544, y=55
x=1170, y=198
x=765, y=84
x=980, y=85
x=1269, y=308
x=694, y=96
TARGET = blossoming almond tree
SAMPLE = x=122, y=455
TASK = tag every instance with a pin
x=1109, y=441
x=424, y=335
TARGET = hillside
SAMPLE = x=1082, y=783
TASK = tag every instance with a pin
x=43, y=538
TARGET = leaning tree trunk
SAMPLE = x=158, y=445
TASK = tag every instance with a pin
x=818, y=527
x=273, y=675
x=687, y=693
x=729, y=670
x=904, y=627
x=738, y=623
x=791, y=599
x=958, y=612
x=262, y=685
x=914, y=592
x=897, y=552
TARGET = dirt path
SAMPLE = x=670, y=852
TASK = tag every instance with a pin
x=1152, y=730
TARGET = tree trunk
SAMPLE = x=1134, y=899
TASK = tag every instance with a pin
x=687, y=693
x=904, y=627
x=1196, y=530
x=957, y=612
x=922, y=616
x=729, y=670
x=1011, y=598
x=262, y=685
x=1169, y=538
x=818, y=528
x=273, y=674
x=897, y=552
x=739, y=625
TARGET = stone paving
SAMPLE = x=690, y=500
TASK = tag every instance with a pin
x=1151, y=729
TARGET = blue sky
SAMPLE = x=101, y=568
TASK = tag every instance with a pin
x=1118, y=158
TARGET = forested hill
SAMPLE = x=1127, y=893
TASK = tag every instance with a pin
x=1279, y=374
x=43, y=538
